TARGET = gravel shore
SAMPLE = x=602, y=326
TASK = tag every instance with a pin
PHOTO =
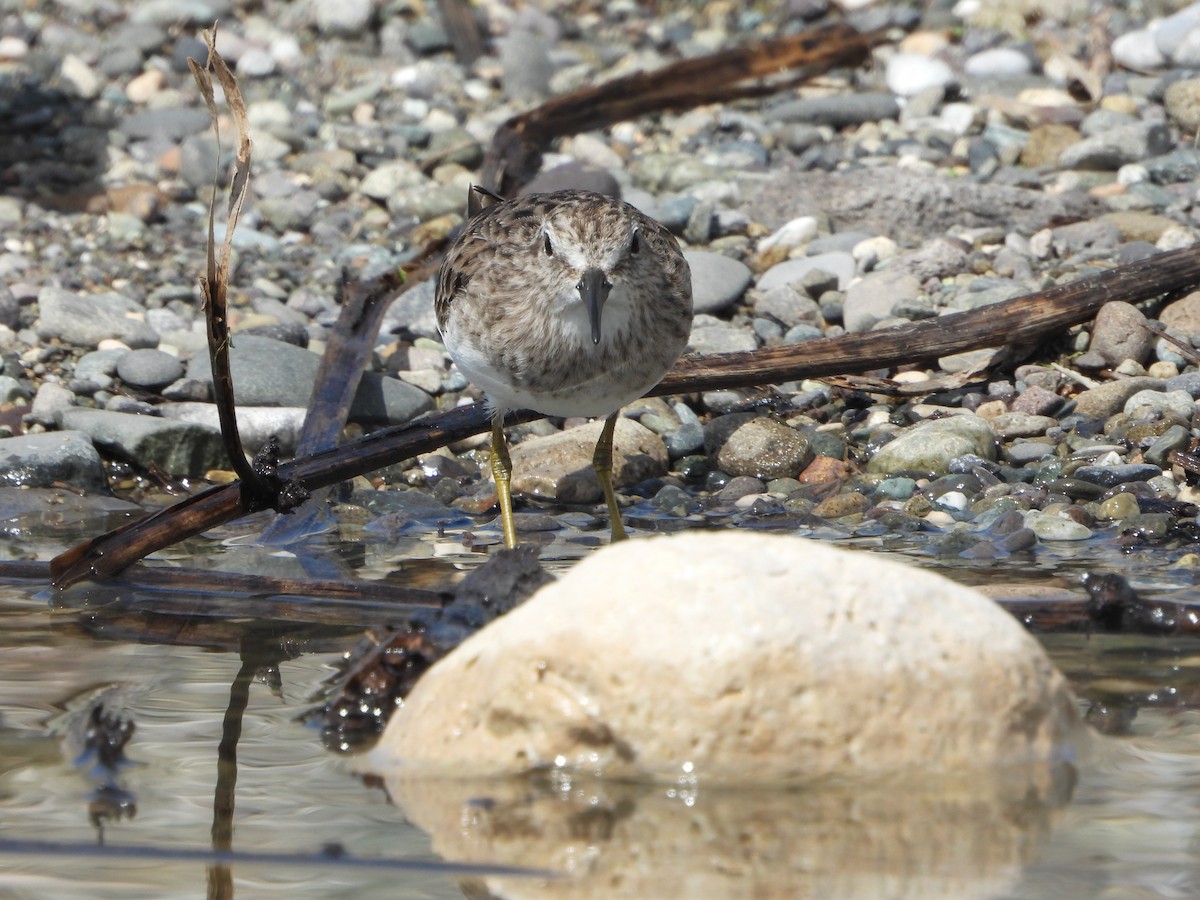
x=979, y=159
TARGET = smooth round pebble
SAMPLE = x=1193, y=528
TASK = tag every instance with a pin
x=149, y=370
x=717, y=280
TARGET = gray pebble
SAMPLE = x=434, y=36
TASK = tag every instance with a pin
x=896, y=488
x=718, y=281
x=177, y=449
x=1019, y=424
x=42, y=460
x=1056, y=528
x=1118, y=334
x=1111, y=150
x=1176, y=166
x=1109, y=476
x=49, y=402
x=86, y=321
x=1151, y=404
x=525, y=64
x=1103, y=400
x=798, y=333
x=1018, y=453
x=838, y=110
x=1174, y=438
x=172, y=123
x=256, y=424
x=1078, y=237
x=699, y=226
x=187, y=390
x=799, y=137
x=1016, y=541
x=788, y=306
x=10, y=307
x=839, y=242
x=272, y=373
x=413, y=312
x=685, y=440
x=346, y=18
x=1037, y=401
x=290, y=212
x=740, y=486
x=747, y=444
x=1188, y=381
x=929, y=447
x=873, y=298
x=711, y=335
x=149, y=370
x=793, y=270
x=427, y=37
x=165, y=13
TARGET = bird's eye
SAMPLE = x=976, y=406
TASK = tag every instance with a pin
x=635, y=243
x=549, y=246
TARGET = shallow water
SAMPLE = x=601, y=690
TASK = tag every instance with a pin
x=1125, y=823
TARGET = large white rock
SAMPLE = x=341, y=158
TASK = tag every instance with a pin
x=737, y=657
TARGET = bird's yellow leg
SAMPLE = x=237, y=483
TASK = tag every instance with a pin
x=602, y=463
x=502, y=473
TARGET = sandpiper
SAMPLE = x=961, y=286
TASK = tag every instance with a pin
x=569, y=303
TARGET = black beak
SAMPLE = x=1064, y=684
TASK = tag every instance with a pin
x=593, y=287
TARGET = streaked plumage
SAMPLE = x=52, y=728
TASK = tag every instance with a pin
x=513, y=303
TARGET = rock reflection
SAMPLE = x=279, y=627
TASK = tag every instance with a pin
x=962, y=838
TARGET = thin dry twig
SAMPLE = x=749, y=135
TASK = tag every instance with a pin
x=214, y=284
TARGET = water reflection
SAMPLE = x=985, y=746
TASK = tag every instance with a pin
x=960, y=838
x=215, y=688
x=216, y=757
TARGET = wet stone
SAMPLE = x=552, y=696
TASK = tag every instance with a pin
x=1118, y=506
x=559, y=466
x=745, y=444
x=1016, y=541
x=740, y=486
x=43, y=460
x=1019, y=453
x=899, y=488
x=1076, y=488
x=1174, y=438
x=929, y=447
x=840, y=505
x=1108, y=476
x=1057, y=528
x=1149, y=526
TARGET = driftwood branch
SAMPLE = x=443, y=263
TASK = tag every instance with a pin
x=1017, y=321
x=754, y=69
